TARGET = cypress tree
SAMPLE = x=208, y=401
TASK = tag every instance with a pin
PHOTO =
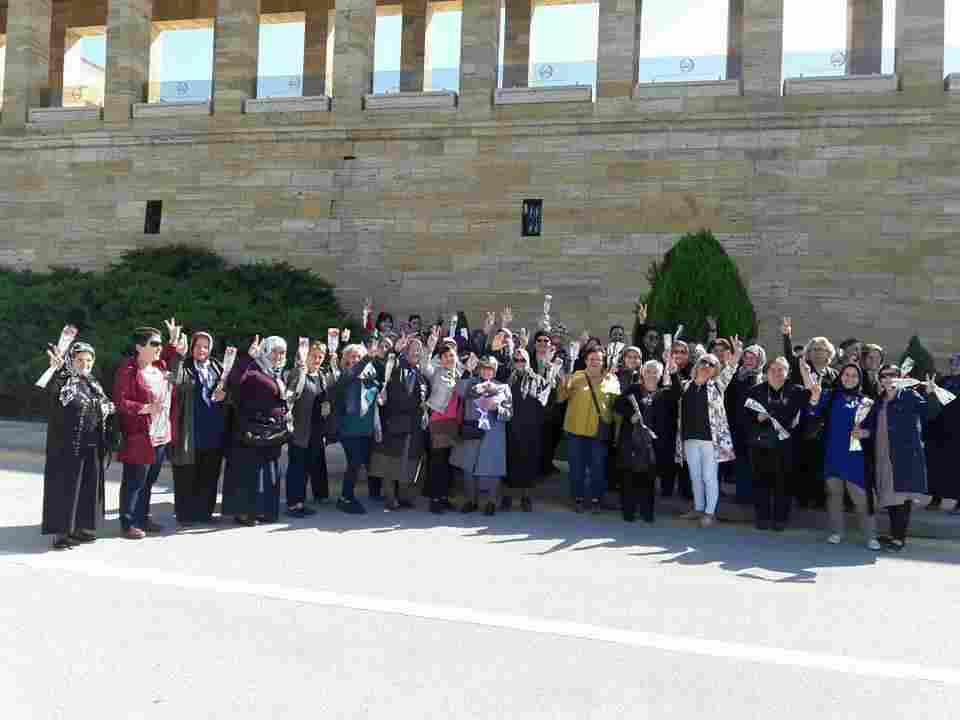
x=923, y=362
x=696, y=279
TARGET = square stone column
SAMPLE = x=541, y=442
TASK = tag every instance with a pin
x=315, y=47
x=128, y=57
x=479, y=46
x=864, y=37
x=920, y=37
x=618, y=48
x=59, y=21
x=755, y=46
x=413, y=45
x=27, y=74
x=356, y=22
x=516, y=43
x=236, y=40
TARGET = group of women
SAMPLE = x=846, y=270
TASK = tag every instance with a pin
x=411, y=407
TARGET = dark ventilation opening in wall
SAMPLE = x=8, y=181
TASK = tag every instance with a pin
x=151, y=224
x=532, y=218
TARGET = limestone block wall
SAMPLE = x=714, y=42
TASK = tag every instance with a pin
x=841, y=214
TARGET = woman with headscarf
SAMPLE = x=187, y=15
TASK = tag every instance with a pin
x=263, y=424
x=200, y=435
x=312, y=426
x=772, y=410
x=403, y=420
x=530, y=392
x=482, y=450
x=845, y=466
x=645, y=406
x=443, y=405
x=749, y=375
x=943, y=440
x=895, y=423
x=703, y=433
x=145, y=402
x=77, y=447
x=356, y=400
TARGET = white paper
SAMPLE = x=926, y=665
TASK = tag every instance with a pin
x=752, y=404
x=907, y=366
x=67, y=336
x=333, y=340
x=678, y=333
x=229, y=358
x=859, y=416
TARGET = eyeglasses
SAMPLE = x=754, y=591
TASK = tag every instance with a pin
x=519, y=360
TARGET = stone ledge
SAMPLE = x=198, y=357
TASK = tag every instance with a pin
x=952, y=83
x=316, y=103
x=537, y=95
x=59, y=116
x=840, y=85
x=692, y=89
x=431, y=100
x=177, y=108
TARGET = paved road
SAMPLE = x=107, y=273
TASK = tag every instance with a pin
x=548, y=615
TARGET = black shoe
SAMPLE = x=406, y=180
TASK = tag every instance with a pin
x=935, y=504
x=490, y=509
x=63, y=543
x=506, y=502
x=762, y=525
x=779, y=527
x=153, y=527
x=578, y=505
x=446, y=504
x=246, y=521
x=526, y=504
x=893, y=546
x=468, y=507
x=648, y=519
x=301, y=512
x=83, y=537
x=595, y=507
x=406, y=505
x=351, y=506
x=437, y=508
x=629, y=517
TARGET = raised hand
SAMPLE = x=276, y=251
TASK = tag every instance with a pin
x=434, y=337
x=491, y=321
x=219, y=395
x=182, y=344
x=173, y=330
x=787, y=327
x=524, y=338
x=737, y=344
x=303, y=349
x=345, y=335
x=816, y=390
x=254, y=349
x=472, y=362
x=55, y=358
x=641, y=312
x=931, y=384
x=507, y=316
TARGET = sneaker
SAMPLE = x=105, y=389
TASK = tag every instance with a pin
x=873, y=544
x=490, y=509
x=935, y=504
x=134, y=534
x=706, y=521
x=835, y=539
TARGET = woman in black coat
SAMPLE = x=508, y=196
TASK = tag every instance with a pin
x=770, y=439
x=656, y=404
x=73, y=476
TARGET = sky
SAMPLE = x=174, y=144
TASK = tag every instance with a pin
x=563, y=46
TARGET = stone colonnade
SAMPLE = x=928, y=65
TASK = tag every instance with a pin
x=33, y=76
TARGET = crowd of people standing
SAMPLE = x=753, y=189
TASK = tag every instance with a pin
x=413, y=405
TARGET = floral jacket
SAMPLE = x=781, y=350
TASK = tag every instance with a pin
x=719, y=427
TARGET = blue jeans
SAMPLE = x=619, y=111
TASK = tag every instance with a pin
x=583, y=454
x=357, y=450
x=701, y=458
x=136, y=487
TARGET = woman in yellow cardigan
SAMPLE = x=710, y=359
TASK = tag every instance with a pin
x=584, y=392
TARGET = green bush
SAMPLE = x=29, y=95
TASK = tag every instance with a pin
x=696, y=279
x=195, y=286
x=923, y=362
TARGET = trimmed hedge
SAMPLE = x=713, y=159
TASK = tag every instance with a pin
x=195, y=286
x=696, y=279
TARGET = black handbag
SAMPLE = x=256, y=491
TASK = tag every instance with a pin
x=637, y=452
x=264, y=431
x=604, y=428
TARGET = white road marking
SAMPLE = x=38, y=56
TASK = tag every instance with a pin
x=560, y=628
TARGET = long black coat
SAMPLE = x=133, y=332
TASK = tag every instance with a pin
x=943, y=443
x=525, y=432
x=68, y=464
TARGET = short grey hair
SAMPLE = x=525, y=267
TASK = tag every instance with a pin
x=653, y=365
x=358, y=348
x=820, y=340
x=782, y=361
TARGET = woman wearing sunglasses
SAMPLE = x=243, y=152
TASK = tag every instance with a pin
x=896, y=423
x=145, y=401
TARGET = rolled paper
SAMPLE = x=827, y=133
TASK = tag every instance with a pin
x=453, y=326
x=944, y=396
x=679, y=332
x=547, y=303
x=858, y=417
x=464, y=334
x=907, y=366
x=367, y=311
x=391, y=364
x=333, y=339
x=752, y=404
x=904, y=383
x=229, y=358
x=667, y=341
x=67, y=336
x=574, y=353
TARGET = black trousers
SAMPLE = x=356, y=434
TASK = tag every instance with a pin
x=673, y=475
x=195, y=486
x=808, y=482
x=637, y=493
x=771, y=485
x=438, y=483
x=552, y=435
x=900, y=520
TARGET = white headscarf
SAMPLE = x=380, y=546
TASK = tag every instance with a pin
x=265, y=359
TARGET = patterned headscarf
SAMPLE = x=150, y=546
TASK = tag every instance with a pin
x=68, y=391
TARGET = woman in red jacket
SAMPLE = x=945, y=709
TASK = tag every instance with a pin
x=143, y=397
